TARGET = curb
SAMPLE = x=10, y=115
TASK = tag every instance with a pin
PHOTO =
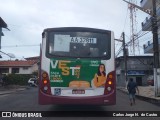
x=12, y=91
x=147, y=99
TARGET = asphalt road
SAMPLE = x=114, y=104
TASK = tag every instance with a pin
x=27, y=100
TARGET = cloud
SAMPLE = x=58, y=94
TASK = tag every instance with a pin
x=28, y=18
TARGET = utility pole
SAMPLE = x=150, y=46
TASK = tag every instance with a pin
x=125, y=58
x=124, y=55
x=156, y=51
x=0, y=36
x=155, y=44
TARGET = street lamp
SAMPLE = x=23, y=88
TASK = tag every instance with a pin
x=11, y=55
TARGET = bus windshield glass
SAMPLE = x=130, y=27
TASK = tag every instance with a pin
x=79, y=44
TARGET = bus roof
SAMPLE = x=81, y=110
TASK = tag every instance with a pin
x=76, y=29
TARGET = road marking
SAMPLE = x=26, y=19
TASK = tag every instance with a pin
x=4, y=95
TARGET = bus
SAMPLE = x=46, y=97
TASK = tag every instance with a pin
x=77, y=66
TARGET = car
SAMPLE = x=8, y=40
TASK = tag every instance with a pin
x=150, y=80
x=32, y=82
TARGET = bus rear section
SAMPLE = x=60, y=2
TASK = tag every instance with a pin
x=77, y=67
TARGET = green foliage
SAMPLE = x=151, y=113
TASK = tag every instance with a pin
x=17, y=79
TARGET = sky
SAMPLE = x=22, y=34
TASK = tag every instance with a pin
x=27, y=19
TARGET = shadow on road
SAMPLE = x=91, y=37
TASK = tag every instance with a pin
x=77, y=111
x=77, y=108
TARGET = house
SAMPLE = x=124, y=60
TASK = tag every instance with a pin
x=27, y=66
x=138, y=67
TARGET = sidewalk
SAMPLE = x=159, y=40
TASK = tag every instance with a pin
x=11, y=89
x=146, y=93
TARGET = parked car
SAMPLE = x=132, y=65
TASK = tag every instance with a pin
x=32, y=82
x=150, y=80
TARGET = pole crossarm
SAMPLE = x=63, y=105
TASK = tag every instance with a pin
x=148, y=11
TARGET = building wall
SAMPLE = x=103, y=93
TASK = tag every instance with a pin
x=149, y=47
x=25, y=70
x=34, y=67
x=120, y=79
x=22, y=70
x=135, y=64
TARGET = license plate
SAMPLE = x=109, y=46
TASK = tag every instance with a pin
x=78, y=91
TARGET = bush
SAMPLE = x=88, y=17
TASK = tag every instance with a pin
x=17, y=79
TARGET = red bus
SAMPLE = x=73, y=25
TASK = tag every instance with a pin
x=77, y=66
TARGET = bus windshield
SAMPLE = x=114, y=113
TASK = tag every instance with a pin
x=79, y=44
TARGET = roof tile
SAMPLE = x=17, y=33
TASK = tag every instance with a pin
x=18, y=63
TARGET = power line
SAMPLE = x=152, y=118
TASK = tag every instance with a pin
x=130, y=42
x=9, y=46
